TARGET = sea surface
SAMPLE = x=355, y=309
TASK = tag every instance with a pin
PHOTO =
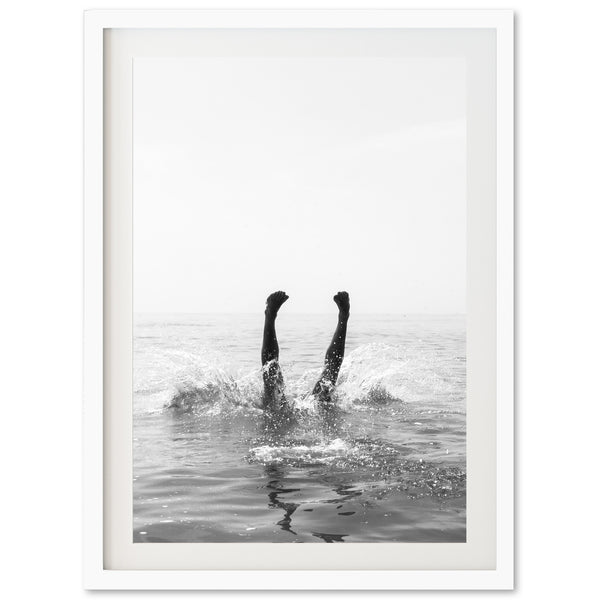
x=386, y=463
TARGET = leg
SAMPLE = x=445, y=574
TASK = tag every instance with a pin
x=335, y=353
x=272, y=377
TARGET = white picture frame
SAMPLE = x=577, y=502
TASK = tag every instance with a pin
x=98, y=373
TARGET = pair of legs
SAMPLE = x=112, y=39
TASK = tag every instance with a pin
x=272, y=376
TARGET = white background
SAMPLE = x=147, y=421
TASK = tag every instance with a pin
x=558, y=328
x=332, y=173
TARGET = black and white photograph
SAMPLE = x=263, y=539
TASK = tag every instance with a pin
x=299, y=295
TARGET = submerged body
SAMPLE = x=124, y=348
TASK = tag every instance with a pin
x=386, y=463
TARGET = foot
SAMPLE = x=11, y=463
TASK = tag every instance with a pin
x=274, y=302
x=342, y=299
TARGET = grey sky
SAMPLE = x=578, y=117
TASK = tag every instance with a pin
x=307, y=175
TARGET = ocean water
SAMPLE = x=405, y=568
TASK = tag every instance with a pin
x=386, y=463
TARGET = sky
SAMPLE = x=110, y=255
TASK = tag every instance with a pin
x=310, y=175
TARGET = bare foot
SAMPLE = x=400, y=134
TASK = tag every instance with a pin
x=342, y=299
x=274, y=302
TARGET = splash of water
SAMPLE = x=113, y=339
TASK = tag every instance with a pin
x=303, y=453
x=371, y=375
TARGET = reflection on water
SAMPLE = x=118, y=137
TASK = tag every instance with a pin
x=330, y=537
x=385, y=463
x=277, y=496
